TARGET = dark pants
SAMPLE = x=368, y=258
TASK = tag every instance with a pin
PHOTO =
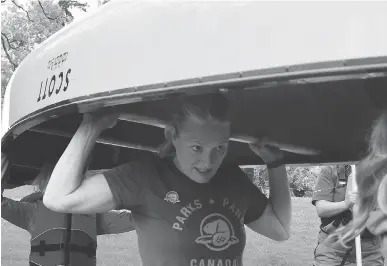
x=328, y=253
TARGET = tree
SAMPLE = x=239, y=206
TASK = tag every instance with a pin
x=301, y=179
x=258, y=175
x=27, y=24
x=102, y=2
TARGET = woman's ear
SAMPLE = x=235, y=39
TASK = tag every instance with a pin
x=170, y=133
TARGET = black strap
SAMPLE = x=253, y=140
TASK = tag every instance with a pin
x=68, y=239
x=42, y=248
x=89, y=250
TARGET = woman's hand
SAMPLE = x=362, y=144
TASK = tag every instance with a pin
x=351, y=199
x=67, y=190
x=101, y=119
x=269, y=154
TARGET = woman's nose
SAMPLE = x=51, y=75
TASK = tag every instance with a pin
x=207, y=159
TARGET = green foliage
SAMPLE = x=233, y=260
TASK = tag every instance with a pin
x=257, y=175
x=102, y=2
x=301, y=179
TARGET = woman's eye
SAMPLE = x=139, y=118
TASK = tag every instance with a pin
x=196, y=148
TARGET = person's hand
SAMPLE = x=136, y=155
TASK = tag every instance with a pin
x=101, y=119
x=350, y=199
x=269, y=154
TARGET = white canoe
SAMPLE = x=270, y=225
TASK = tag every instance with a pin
x=307, y=75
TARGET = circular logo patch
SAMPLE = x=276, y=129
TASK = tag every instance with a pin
x=217, y=232
x=172, y=197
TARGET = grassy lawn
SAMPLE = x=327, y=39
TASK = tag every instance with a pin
x=122, y=249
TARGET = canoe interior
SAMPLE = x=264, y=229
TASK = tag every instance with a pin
x=332, y=117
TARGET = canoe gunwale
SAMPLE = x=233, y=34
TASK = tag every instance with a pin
x=101, y=140
x=255, y=79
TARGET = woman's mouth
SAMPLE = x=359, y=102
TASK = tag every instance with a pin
x=203, y=171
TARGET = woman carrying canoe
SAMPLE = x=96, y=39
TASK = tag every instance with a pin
x=58, y=238
x=189, y=208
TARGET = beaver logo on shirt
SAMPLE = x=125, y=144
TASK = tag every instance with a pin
x=217, y=233
x=172, y=197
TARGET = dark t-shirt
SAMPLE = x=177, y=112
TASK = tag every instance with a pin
x=181, y=222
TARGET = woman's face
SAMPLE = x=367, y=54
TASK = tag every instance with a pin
x=200, y=148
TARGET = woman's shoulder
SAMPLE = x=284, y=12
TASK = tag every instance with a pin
x=234, y=168
x=233, y=173
x=142, y=161
x=140, y=166
x=145, y=162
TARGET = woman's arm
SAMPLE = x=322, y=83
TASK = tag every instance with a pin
x=327, y=209
x=20, y=214
x=67, y=190
x=276, y=219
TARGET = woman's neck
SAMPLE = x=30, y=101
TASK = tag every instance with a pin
x=177, y=164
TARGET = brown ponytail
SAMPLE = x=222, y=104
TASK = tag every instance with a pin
x=166, y=149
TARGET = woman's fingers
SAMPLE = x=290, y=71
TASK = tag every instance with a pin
x=102, y=119
x=267, y=152
x=282, y=146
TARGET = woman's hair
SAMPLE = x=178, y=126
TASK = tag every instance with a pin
x=370, y=173
x=378, y=138
x=212, y=107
